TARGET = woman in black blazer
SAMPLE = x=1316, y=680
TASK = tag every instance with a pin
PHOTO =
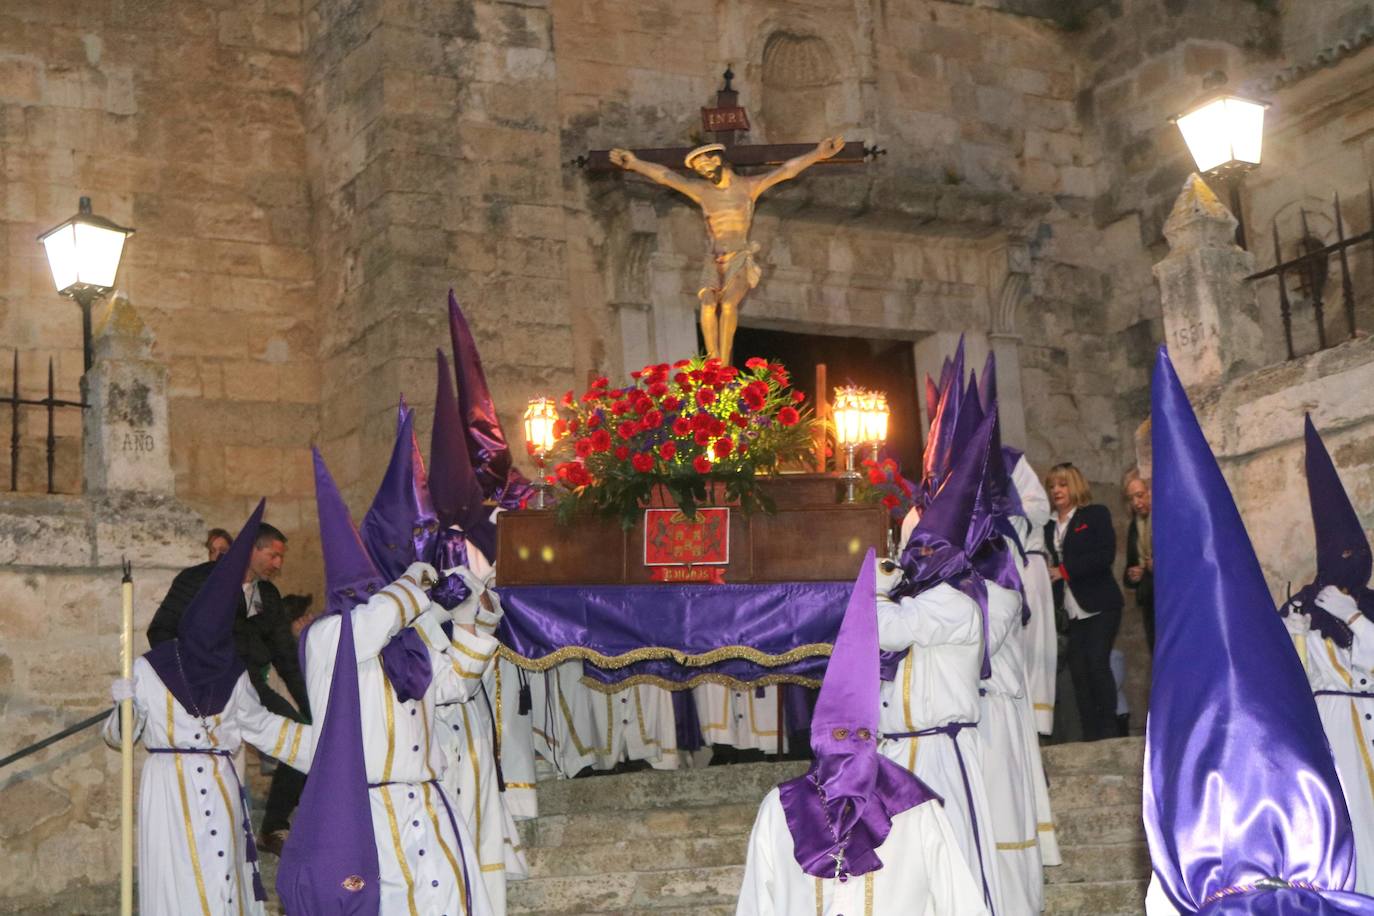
x=1082, y=546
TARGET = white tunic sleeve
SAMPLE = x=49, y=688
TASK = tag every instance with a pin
x=459, y=663
x=1034, y=500
x=937, y=616
x=293, y=743
x=952, y=886
x=110, y=730
x=1362, y=646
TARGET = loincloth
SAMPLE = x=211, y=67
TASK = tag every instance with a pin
x=721, y=270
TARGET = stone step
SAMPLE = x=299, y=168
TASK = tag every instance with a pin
x=644, y=854
x=1076, y=791
x=1114, y=755
x=1116, y=898
x=655, y=789
x=674, y=890
x=719, y=909
x=1105, y=863
x=1098, y=825
x=601, y=826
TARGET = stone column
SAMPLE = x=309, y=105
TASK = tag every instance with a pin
x=125, y=427
x=1211, y=320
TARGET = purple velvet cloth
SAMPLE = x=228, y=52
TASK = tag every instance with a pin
x=840, y=811
x=1240, y=786
x=329, y=864
x=405, y=659
x=739, y=670
x=679, y=620
x=201, y=666
x=450, y=592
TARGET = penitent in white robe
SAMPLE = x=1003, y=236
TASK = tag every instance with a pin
x=923, y=873
x=191, y=845
x=739, y=718
x=1347, y=715
x=1022, y=829
x=937, y=685
x=1039, y=639
x=514, y=737
x=428, y=859
x=636, y=723
x=564, y=732
x=465, y=736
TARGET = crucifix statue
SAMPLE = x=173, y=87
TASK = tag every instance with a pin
x=727, y=202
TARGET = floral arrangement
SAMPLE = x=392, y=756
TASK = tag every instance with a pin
x=885, y=484
x=684, y=428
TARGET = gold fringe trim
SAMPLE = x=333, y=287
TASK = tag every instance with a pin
x=699, y=660
x=708, y=677
x=1024, y=844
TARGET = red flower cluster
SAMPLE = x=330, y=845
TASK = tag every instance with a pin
x=889, y=487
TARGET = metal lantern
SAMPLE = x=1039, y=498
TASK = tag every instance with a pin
x=83, y=254
x=1225, y=134
x=849, y=414
x=539, y=418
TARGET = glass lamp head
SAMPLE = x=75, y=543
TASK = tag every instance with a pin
x=1224, y=133
x=539, y=418
x=848, y=411
x=84, y=252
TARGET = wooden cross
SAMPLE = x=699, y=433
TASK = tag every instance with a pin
x=725, y=121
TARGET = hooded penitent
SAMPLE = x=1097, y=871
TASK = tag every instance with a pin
x=201, y=666
x=329, y=864
x=487, y=446
x=1343, y=554
x=350, y=578
x=840, y=811
x=401, y=526
x=935, y=461
x=453, y=485
x=937, y=550
x=1243, y=809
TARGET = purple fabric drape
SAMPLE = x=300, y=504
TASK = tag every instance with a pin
x=405, y=659
x=745, y=631
x=739, y=672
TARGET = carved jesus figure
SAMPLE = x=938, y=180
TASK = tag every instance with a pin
x=727, y=201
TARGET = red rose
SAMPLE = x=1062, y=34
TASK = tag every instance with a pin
x=667, y=450
x=701, y=436
x=560, y=428
x=643, y=405
x=622, y=452
x=626, y=430
x=788, y=416
x=798, y=397
x=681, y=426
x=593, y=420
x=601, y=382
x=643, y=462
x=705, y=397
x=578, y=475
x=658, y=389
x=682, y=362
x=654, y=418
x=619, y=407
x=583, y=447
x=672, y=403
x=637, y=373
x=752, y=399
x=713, y=361
x=876, y=476
x=739, y=421
x=681, y=378
x=696, y=375
x=701, y=421
x=701, y=464
x=891, y=501
x=573, y=426
x=601, y=440
x=568, y=398
x=722, y=447
x=755, y=362
x=717, y=427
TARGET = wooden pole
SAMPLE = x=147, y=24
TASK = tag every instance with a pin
x=126, y=749
x=822, y=414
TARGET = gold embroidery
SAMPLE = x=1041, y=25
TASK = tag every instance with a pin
x=390, y=731
x=820, y=898
x=868, y=894
x=295, y=744
x=400, y=608
x=1331, y=651
x=1024, y=844
x=411, y=597
x=568, y=717
x=498, y=724
x=1359, y=739
x=448, y=853
x=281, y=739
x=1043, y=827
x=186, y=808
x=639, y=717
x=1043, y=707
x=476, y=781
x=424, y=639
x=906, y=692
x=475, y=656
x=699, y=660
x=499, y=866
x=726, y=681
x=396, y=842
x=520, y=785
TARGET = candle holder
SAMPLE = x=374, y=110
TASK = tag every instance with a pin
x=539, y=418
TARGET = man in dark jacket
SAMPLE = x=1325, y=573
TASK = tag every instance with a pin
x=1140, y=564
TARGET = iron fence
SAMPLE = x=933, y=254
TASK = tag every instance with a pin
x=51, y=404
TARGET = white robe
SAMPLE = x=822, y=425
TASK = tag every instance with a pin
x=636, y=723
x=739, y=718
x=423, y=858
x=1039, y=639
x=923, y=873
x=191, y=847
x=1348, y=722
x=563, y=730
x=514, y=737
x=935, y=685
x=1022, y=828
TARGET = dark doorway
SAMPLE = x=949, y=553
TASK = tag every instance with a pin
x=882, y=364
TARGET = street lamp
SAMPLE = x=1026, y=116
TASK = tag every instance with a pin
x=540, y=416
x=83, y=254
x=1225, y=134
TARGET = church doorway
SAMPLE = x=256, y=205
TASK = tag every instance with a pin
x=883, y=364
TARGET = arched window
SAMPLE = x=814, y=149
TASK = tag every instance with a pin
x=802, y=91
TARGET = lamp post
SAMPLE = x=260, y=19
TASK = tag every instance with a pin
x=539, y=418
x=83, y=254
x=848, y=411
x=1225, y=134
